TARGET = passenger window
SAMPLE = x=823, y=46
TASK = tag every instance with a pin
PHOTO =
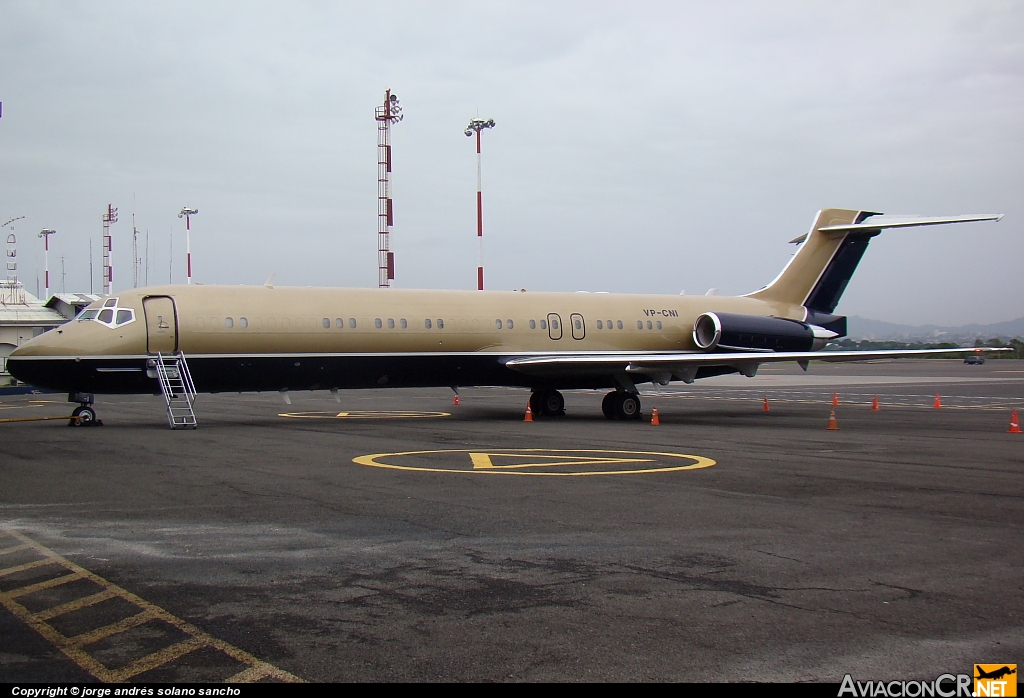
x=497, y=323
x=543, y=324
x=649, y=325
x=579, y=324
x=123, y=316
x=228, y=322
x=509, y=323
x=243, y=323
x=659, y=324
x=377, y=323
x=326, y=322
x=426, y=323
x=391, y=323
x=554, y=324
x=533, y=324
x=339, y=322
x=352, y=323
x=110, y=303
x=106, y=315
x=619, y=324
x=440, y=324
x=600, y=326
x=639, y=324
x=403, y=323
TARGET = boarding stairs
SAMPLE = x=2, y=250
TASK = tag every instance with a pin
x=177, y=388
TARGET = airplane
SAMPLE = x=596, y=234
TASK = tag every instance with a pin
x=266, y=338
x=995, y=673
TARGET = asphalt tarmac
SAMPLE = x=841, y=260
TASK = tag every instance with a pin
x=396, y=537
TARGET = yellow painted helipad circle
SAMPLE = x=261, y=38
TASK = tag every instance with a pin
x=365, y=414
x=537, y=461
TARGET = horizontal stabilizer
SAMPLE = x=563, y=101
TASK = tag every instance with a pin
x=884, y=222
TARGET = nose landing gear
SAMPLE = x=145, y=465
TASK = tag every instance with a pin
x=621, y=405
x=84, y=415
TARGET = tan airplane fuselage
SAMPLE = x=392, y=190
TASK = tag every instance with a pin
x=247, y=320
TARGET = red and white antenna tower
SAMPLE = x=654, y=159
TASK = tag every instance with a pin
x=388, y=113
x=476, y=126
x=109, y=218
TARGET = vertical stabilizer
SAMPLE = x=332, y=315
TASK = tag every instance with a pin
x=817, y=274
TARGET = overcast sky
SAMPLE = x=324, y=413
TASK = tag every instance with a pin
x=639, y=147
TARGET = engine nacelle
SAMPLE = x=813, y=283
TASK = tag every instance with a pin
x=757, y=333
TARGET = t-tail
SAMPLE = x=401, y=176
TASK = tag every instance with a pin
x=821, y=269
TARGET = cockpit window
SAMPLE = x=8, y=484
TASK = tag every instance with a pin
x=109, y=315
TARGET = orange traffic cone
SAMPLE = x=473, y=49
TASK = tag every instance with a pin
x=456, y=400
x=1014, y=424
x=655, y=422
x=835, y=399
x=938, y=402
x=529, y=414
x=764, y=407
x=833, y=425
x=874, y=404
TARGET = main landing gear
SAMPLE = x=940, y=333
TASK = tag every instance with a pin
x=621, y=405
x=547, y=403
x=84, y=415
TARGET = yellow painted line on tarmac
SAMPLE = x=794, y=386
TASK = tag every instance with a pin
x=553, y=459
x=75, y=647
x=36, y=419
x=365, y=414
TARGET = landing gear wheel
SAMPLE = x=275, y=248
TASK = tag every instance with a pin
x=620, y=405
x=608, y=404
x=628, y=406
x=84, y=416
x=547, y=403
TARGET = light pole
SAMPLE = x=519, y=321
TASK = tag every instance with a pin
x=475, y=126
x=45, y=234
x=187, y=214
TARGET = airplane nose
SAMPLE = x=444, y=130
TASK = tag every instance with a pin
x=46, y=344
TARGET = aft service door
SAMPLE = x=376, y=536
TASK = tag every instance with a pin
x=161, y=325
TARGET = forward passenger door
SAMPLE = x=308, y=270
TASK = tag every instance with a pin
x=161, y=324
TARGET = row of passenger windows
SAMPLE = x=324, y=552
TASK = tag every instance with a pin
x=126, y=315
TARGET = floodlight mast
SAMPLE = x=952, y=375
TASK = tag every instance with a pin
x=109, y=218
x=187, y=214
x=388, y=113
x=45, y=234
x=475, y=127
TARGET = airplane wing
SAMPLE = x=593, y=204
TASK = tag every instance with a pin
x=663, y=367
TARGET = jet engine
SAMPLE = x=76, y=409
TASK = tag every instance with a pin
x=734, y=331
